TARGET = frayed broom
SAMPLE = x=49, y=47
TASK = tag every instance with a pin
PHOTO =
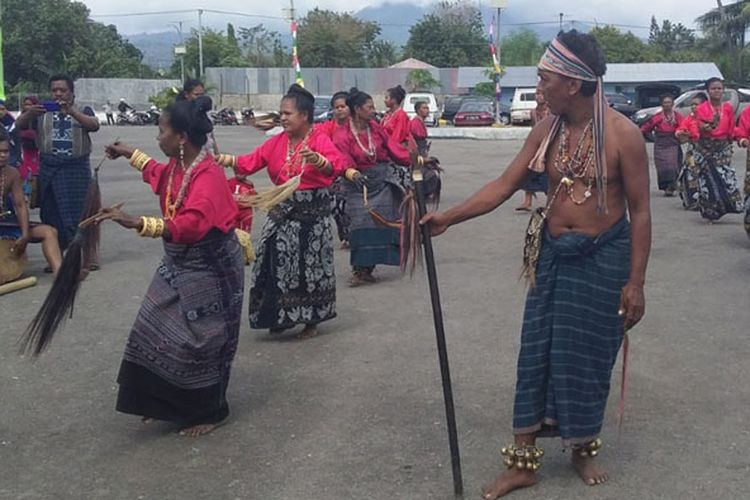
x=58, y=305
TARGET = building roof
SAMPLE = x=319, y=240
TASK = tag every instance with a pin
x=412, y=63
x=525, y=76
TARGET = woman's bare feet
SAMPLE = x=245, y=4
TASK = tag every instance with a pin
x=589, y=470
x=511, y=479
x=310, y=331
x=198, y=430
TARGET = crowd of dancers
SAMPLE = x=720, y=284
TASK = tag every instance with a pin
x=703, y=175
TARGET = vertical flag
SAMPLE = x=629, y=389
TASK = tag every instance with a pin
x=295, y=58
x=495, y=61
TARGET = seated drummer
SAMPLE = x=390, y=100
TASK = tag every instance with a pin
x=14, y=214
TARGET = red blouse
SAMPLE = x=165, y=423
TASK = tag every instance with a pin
x=329, y=127
x=207, y=204
x=659, y=124
x=396, y=125
x=725, y=128
x=417, y=128
x=742, y=130
x=690, y=125
x=272, y=155
x=385, y=147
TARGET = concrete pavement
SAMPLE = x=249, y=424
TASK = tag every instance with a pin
x=357, y=412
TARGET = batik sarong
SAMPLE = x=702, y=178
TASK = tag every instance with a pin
x=338, y=209
x=63, y=184
x=372, y=243
x=571, y=334
x=687, y=180
x=179, y=354
x=717, y=181
x=293, y=276
x=667, y=158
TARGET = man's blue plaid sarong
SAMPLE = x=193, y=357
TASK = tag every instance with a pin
x=571, y=334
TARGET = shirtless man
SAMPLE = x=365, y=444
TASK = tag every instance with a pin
x=14, y=220
x=592, y=263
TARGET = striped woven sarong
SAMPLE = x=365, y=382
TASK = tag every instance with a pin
x=571, y=334
x=370, y=242
x=719, y=193
x=180, y=350
x=63, y=184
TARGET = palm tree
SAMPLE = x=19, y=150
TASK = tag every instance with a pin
x=727, y=25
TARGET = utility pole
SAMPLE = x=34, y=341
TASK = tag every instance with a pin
x=180, y=49
x=500, y=5
x=200, y=43
x=561, y=20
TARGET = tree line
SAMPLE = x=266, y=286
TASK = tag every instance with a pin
x=48, y=36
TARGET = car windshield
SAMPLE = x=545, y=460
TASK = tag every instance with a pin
x=322, y=104
x=617, y=99
x=475, y=107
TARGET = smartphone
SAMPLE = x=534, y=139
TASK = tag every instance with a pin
x=52, y=106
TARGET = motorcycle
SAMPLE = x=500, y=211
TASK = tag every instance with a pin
x=248, y=116
x=225, y=116
x=153, y=115
x=132, y=117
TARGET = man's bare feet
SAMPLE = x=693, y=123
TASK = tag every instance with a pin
x=511, y=479
x=589, y=470
x=198, y=430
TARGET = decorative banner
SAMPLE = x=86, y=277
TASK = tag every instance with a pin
x=495, y=62
x=295, y=59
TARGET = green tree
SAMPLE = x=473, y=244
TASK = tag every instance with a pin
x=218, y=51
x=262, y=48
x=452, y=35
x=421, y=79
x=382, y=54
x=42, y=37
x=521, y=48
x=725, y=28
x=670, y=38
x=621, y=47
x=330, y=39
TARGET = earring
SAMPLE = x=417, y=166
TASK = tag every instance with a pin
x=182, y=155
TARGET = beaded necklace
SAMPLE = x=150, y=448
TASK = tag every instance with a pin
x=575, y=166
x=294, y=162
x=370, y=149
x=170, y=209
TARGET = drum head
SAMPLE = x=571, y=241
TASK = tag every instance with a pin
x=11, y=265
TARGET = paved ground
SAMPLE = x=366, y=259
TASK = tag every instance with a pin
x=358, y=411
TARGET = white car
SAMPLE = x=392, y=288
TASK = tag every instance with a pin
x=524, y=103
x=411, y=99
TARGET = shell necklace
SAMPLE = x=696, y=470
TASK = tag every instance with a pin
x=170, y=209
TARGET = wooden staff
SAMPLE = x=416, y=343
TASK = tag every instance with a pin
x=437, y=315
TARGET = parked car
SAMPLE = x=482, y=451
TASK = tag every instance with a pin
x=451, y=105
x=621, y=103
x=412, y=98
x=738, y=97
x=524, y=102
x=474, y=113
x=323, y=111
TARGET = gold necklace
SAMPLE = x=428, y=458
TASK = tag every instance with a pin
x=575, y=166
x=370, y=150
x=170, y=209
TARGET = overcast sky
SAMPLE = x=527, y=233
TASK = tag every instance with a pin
x=634, y=12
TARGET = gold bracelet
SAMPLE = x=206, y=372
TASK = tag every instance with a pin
x=228, y=161
x=350, y=174
x=139, y=159
x=321, y=161
x=152, y=227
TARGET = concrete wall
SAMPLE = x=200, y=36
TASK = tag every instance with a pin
x=95, y=92
x=262, y=88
